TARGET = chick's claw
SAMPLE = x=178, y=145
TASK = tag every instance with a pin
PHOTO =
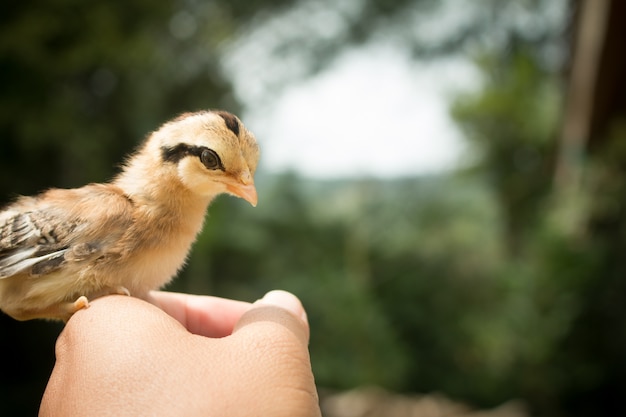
x=83, y=302
x=66, y=310
x=121, y=291
x=80, y=303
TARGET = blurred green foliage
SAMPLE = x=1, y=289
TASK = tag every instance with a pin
x=466, y=284
x=514, y=121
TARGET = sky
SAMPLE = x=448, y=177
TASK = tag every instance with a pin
x=373, y=112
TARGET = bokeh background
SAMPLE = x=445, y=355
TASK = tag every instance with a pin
x=442, y=182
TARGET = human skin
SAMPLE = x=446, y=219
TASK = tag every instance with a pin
x=193, y=356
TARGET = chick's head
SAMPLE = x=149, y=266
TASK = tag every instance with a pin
x=212, y=152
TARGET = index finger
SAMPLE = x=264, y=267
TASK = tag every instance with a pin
x=203, y=315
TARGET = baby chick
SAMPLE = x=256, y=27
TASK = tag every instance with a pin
x=130, y=236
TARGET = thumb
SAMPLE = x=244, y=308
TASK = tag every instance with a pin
x=277, y=308
x=274, y=334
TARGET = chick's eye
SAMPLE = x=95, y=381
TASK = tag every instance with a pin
x=210, y=159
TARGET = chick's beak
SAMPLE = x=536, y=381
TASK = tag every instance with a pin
x=244, y=188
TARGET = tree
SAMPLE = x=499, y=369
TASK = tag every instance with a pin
x=512, y=121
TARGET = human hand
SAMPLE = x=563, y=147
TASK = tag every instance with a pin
x=207, y=356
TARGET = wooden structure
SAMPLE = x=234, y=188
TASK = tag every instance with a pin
x=596, y=90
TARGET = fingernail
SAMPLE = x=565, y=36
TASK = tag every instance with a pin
x=286, y=300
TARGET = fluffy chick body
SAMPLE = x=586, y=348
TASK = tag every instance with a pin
x=63, y=247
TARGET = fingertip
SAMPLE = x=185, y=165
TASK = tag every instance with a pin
x=284, y=300
x=277, y=311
